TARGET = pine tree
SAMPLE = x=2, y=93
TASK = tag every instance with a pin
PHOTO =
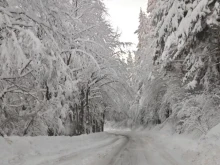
x=184, y=35
x=186, y=65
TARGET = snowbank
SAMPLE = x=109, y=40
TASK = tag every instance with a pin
x=35, y=150
x=198, y=151
x=209, y=148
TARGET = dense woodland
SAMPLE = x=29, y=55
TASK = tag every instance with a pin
x=61, y=71
x=179, y=56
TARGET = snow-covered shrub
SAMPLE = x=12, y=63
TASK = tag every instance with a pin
x=199, y=112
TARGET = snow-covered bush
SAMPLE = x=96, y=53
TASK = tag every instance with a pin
x=199, y=112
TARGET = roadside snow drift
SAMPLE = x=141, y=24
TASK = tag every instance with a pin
x=79, y=150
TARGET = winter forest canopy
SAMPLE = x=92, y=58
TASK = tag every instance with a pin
x=61, y=71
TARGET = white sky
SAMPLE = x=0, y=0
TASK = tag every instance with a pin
x=124, y=14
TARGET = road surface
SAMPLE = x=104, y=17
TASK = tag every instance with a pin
x=143, y=150
x=126, y=148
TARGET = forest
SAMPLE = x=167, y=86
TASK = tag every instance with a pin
x=62, y=70
x=179, y=56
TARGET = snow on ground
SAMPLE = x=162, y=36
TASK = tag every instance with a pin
x=116, y=148
x=196, y=151
x=113, y=126
x=209, y=148
x=140, y=147
x=80, y=150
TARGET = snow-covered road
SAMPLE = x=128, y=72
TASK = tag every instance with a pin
x=124, y=148
x=145, y=150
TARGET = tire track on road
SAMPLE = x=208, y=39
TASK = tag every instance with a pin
x=117, y=155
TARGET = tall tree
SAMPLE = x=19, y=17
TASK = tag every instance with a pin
x=186, y=64
x=57, y=64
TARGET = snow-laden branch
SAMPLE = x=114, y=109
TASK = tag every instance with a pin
x=96, y=80
x=16, y=77
x=84, y=30
x=10, y=12
x=110, y=82
x=84, y=52
x=25, y=66
x=21, y=24
x=90, y=41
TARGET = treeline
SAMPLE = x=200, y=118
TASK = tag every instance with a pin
x=178, y=52
x=59, y=69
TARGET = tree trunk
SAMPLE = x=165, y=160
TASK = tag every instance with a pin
x=77, y=120
x=103, y=121
x=81, y=118
x=87, y=109
x=28, y=126
x=1, y=133
x=96, y=125
x=76, y=6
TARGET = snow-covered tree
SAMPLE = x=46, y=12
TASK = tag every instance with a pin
x=187, y=36
x=185, y=42
x=57, y=62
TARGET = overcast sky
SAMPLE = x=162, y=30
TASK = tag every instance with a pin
x=124, y=15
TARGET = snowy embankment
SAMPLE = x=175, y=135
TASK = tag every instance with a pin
x=209, y=147
x=80, y=150
x=195, y=151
